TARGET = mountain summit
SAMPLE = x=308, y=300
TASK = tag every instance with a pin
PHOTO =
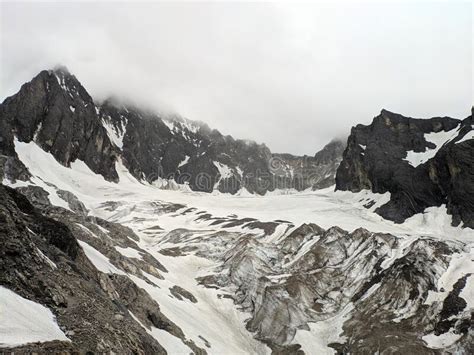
x=422, y=163
x=97, y=257
x=56, y=112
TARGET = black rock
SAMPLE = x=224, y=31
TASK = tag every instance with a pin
x=56, y=112
x=375, y=159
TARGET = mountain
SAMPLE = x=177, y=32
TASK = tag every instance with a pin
x=305, y=172
x=100, y=254
x=143, y=275
x=56, y=112
x=42, y=261
x=421, y=162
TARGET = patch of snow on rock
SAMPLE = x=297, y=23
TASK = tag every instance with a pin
x=441, y=341
x=114, y=135
x=129, y=252
x=468, y=135
x=23, y=321
x=99, y=260
x=184, y=162
x=224, y=170
x=438, y=139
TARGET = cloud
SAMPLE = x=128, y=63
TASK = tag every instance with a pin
x=292, y=76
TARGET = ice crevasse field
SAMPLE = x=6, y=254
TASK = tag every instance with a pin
x=138, y=210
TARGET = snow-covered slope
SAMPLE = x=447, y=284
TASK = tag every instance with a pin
x=256, y=274
x=422, y=163
x=23, y=321
x=55, y=111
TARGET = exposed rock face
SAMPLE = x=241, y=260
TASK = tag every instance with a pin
x=110, y=285
x=189, y=152
x=302, y=287
x=41, y=260
x=421, y=162
x=316, y=172
x=452, y=170
x=56, y=112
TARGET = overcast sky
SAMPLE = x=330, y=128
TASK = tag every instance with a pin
x=291, y=76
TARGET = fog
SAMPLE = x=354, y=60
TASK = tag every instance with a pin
x=291, y=76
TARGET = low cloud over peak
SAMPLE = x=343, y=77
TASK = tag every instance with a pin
x=292, y=76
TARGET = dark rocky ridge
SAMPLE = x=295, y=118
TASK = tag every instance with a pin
x=375, y=159
x=315, y=172
x=71, y=290
x=56, y=112
x=42, y=260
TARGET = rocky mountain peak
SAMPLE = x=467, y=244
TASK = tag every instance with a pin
x=60, y=69
x=56, y=112
x=128, y=268
x=420, y=162
x=331, y=152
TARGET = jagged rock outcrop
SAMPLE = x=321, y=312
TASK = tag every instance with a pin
x=316, y=172
x=421, y=162
x=190, y=152
x=56, y=112
x=43, y=260
x=173, y=275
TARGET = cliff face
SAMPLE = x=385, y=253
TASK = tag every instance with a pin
x=154, y=147
x=42, y=260
x=56, y=112
x=123, y=270
x=315, y=172
x=421, y=162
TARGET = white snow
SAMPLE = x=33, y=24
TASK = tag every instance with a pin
x=23, y=321
x=323, y=333
x=45, y=258
x=191, y=126
x=402, y=250
x=459, y=266
x=172, y=344
x=469, y=135
x=87, y=230
x=239, y=171
x=137, y=208
x=303, y=250
x=219, y=321
x=169, y=123
x=184, y=162
x=114, y=134
x=61, y=82
x=243, y=192
x=467, y=293
x=278, y=192
x=129, y=252
x=441, y=341
x=224, y=170
x=438, y=138
x=323, y=207
x=277, y=234
x=99, y=260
